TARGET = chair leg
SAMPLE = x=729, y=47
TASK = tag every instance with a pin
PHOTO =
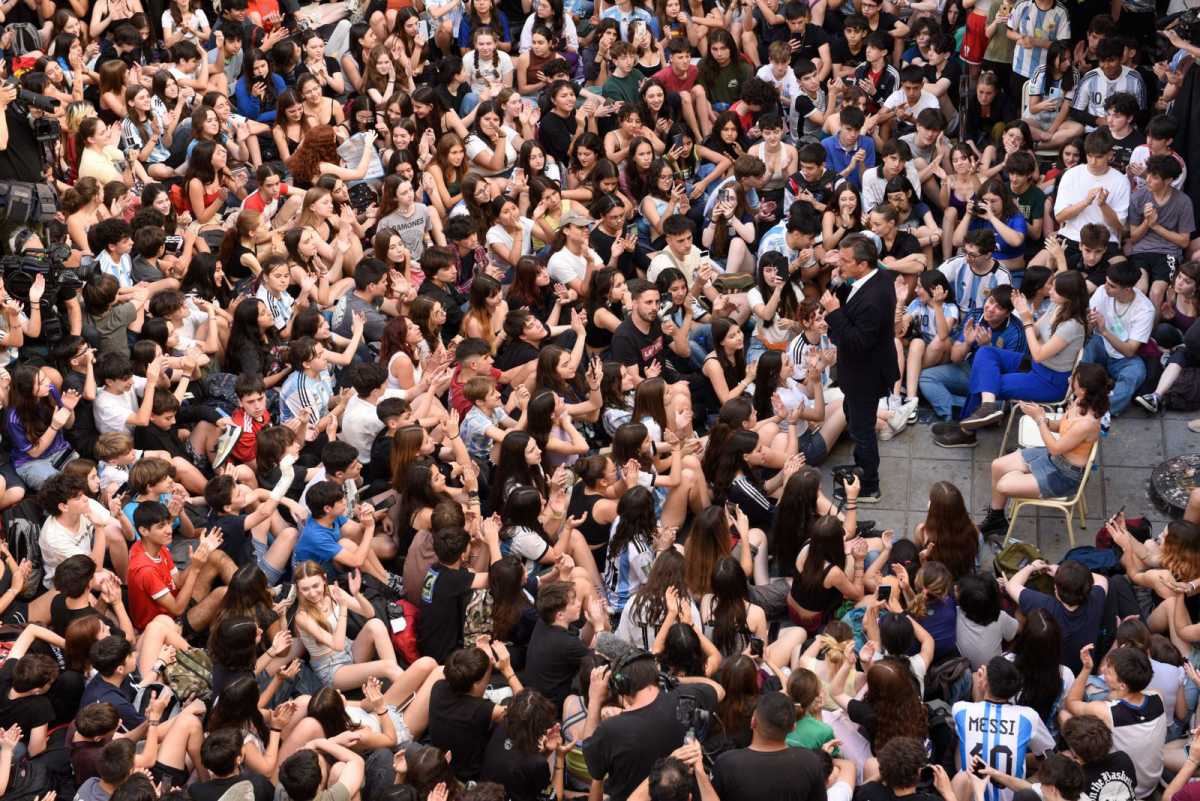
x=1007, y=428
x=1070, y=527
x=1012, y=522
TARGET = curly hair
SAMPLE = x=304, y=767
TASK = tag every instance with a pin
x=892, y=693
x=1181, y=550
x=319, y=144
x=530, y=715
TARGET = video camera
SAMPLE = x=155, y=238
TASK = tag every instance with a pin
x=1186, y=24
x=33, y=99
x=62, y=283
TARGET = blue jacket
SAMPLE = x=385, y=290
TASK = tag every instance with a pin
x=248, y=105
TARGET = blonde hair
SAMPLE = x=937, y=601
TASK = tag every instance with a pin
x=113, y=444
x=308, y=569
x=934, y=581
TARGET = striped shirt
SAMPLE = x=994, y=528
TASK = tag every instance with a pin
x=971, y=289
x=1029, y=20
x=1095, y=88
x=1042, y=85
x=1002, y=735
x=301, y=392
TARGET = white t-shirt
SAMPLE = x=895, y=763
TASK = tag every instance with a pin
x=58, y=543
x=1074, y=187
x=1127, y=321
x=113, y=410
x=788, y=86
x=566, y=267
x=775, y=332
x=497, y=235
x=360, y=424
x=476, y=146
x=498, y=68
x=898, y=99
x=199, y=20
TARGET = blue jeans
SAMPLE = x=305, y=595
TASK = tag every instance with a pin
x=700, y=343
x=946, y=386
x=1128, y=373
x=469, y=102
x=999, y=372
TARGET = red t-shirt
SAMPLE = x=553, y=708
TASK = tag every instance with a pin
x=667, y=77
x=246, y=448
x=146, y=580
x=457, y=399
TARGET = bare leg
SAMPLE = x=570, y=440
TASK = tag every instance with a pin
x=412, y=681
x=118, y=548
x=950, y=222
x=181, y=742
x=189, y=476
x=373, y=643
x=1001, y=467
x=161, y=631
x=912, y=374
x=834, y=425
x=783, y=652
x=416, y=717
x=200, y=615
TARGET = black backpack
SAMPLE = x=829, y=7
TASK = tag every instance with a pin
x=22, y=526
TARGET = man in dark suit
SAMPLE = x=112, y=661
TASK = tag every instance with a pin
x=861, y=324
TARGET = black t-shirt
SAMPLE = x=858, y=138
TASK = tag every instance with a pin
x=555, y=134
x=1123, y=148
x=443, y=602
x=821, y=189
x=514, y=354
x=810, y=43
x=1112, y=777
x=460, y=724
x=29, y=712
x=152, y=438
x=625, y=747
x=22, y=159
x=602, y=243
x=236, y=540
x=552, y=660
x=905, y=245
x=524, y=776
x=840, y=52
x=216, y=788
x=631, y=346
x=878, y=791
x=452, y=301
x=769, y=33
x=952, y=71
x=331, y=66
x=791, y=774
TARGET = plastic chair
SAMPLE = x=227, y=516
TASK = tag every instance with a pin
x=1068, y=506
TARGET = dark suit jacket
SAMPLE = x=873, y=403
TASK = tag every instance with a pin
x=864, y=331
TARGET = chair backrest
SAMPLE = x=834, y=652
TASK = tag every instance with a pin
x=1025, y=99
x=1087, y=471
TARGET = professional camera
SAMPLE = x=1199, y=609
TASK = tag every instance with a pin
x=62, y=283
x=33, y=99
x=694, y=717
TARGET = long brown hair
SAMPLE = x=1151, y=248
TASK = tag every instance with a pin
x=708, y=543
x=406, y=449
x=893, y=695
x=950, y=530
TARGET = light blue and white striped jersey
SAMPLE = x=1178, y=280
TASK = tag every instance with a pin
x=1095, y=88
x=1029, y=20
x=1001, y=735
x=300, y=392
x=970, y=288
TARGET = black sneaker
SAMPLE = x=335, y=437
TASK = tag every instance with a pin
x=995, y=524
x=955, y=437
x=1149, y=402
x=985, y=415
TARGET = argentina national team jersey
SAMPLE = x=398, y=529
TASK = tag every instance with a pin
x=1095, y=88
x=1000, y=734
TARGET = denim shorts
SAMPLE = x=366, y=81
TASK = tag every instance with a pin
x=274, y=575
x=1056, y=477
x=326, y=666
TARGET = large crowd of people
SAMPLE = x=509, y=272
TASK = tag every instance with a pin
x=428, y=400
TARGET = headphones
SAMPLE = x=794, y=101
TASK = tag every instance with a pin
x=618, y=681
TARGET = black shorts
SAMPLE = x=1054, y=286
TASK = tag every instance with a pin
x=173, y=777
x=1159, y=266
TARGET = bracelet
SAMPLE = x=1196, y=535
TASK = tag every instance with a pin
x=1028, y=325
x=277, y=731
x=153, y=722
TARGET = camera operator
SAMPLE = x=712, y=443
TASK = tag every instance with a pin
x=621, y=750
x=20, y=152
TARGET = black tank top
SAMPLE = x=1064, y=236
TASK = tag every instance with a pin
x=595, y=533
x=821, y=600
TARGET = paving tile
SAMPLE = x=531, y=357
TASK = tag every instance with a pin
x=1179, y=440
x=1135, y=441
x=1126, y=487
x=901, y=523
x=924, y=473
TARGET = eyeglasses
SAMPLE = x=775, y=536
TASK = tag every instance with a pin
x=977, y=257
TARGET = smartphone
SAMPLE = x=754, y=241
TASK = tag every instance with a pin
x=631, y=231
x=677, y=141
x=927, y=774
x=883, y=593
x=728, y=196
x=756, y=647
x=731, y=509
x=425, y=29
x=977, y=766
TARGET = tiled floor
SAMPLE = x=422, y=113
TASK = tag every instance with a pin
x=910, y=463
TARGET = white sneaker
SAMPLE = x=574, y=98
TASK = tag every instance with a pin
x=893, y=402
x=901, y=416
